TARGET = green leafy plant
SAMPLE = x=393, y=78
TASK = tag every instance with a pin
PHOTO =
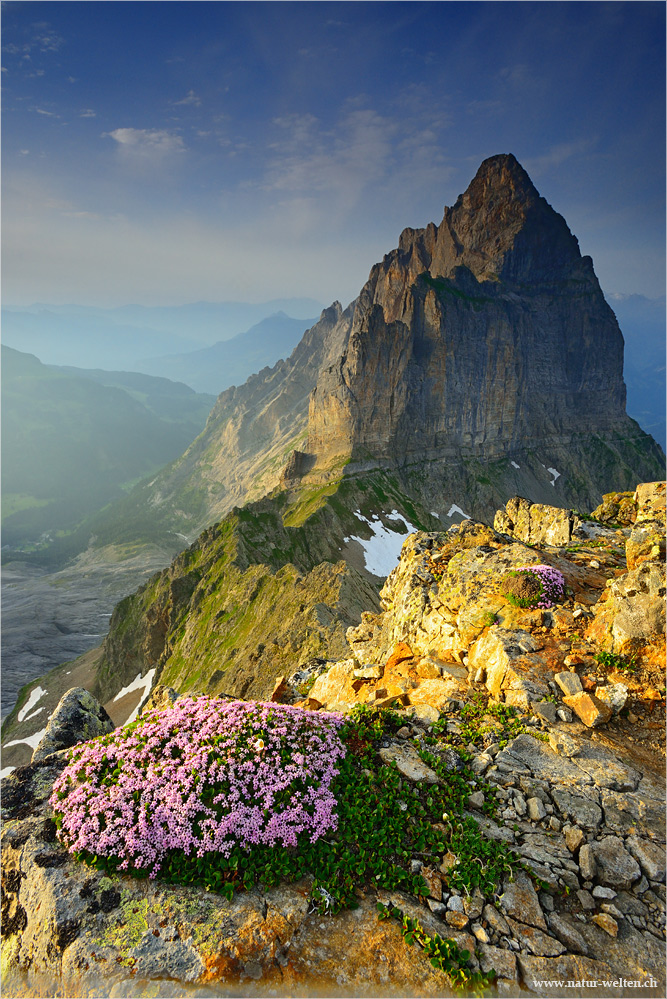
x=445, y=955
x=613, y=661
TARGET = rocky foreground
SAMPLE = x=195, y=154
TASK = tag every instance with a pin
x=560, y=711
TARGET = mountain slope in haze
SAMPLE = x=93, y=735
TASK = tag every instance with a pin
x=643, y=323
x=70, y=442
x=231, y=362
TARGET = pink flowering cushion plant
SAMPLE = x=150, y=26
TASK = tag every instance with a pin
x=207, y=775
x=551, y=586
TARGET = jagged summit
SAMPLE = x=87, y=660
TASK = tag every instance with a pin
x=480, y=337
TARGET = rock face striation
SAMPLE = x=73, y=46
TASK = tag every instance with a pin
x=487, y=333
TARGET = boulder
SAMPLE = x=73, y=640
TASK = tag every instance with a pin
x=617, y=508
x=519, y=901
x=646, y=543
x=78, y=717
x=592, y=711
x=616, y=867
x=513, y=669
x=535, y=523
x=633, y=613
x=650, y=856
x=649, y=499
x=409, y=764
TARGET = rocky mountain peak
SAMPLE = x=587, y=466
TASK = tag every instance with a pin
x=476, y=339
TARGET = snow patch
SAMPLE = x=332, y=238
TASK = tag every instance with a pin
x=33, y=714
x=514, y=464
x=30, y=740
x=556, y=475
x=139, y=683
x=457, y=509
x=35, y=694
x=434, y=514
x=382, y=550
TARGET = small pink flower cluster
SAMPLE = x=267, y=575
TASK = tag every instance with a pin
x=206, y=774
x=552, y=580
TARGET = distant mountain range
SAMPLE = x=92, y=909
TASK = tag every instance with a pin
x=120, y=338
x=231, y=362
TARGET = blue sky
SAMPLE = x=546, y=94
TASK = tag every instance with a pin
x=164, y=153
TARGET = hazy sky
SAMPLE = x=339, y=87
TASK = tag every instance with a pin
x=164, y=153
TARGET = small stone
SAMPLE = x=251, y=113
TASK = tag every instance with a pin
x=433, y=882
x=650, y=856
x=480, y=933
x=592, y=711
x=611, y=910
x=546, y=902
x=455, y=904
x=587, y=862
x=476, y=800
x=586, y=900
x=613, y=694
x=519, y=899
x=536, y=809
x=601, y=892
x=632, y=718
x=574, y=837
x=561, y=927
x=568, y=682
x=594, y=564
x=616, y=866
x=403, y=733
x=448, y=861
x=563, y=744
x=372, y=672
x=415, y=866
x=545, y=710
x=456, y=919
x=495, y=919
x=606, y=923
x=480, y=764
x=473, y=905
x=437, y=908
x=565, y=715
x=480, y=675
x=554, y=823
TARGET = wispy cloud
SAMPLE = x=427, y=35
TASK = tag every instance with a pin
x=87, y=113
x=146, y=143
x=49, y=114
x=556, y=155
x=191, y=98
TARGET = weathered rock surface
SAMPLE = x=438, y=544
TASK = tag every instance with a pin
x=78, y=717
x=535, y=522
x=426, y=315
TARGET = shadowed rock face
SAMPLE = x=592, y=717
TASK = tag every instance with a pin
x=481, y=335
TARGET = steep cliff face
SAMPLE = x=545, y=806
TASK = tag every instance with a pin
x=240, y=455
x=481, y=336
